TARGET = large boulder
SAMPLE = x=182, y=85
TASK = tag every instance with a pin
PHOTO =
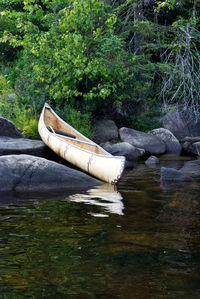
x=172, y=144
x=105, y=130
x=9, y=146
x=191, y=168
x=151, y=144
x=171, y=175
x=181, y=124
x=7, y=128
x=124, y=149
x=25, y=174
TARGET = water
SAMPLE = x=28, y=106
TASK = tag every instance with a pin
x=140, y=241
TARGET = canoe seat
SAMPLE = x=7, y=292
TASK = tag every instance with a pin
x=61, y=132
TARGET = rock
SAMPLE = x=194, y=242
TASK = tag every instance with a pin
x=12, y=97
x=152, y=161
x=191, y=168
x=128, y=164
x=194, y=148
x=7, y=128
x=181, y=124
x=173, y=176
x=11, y=146
x=151, y=144
x=172, y=144
x=25, y=174
x=105, y=130
x=124, y=149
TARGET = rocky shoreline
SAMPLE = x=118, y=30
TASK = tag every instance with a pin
x=30, y=166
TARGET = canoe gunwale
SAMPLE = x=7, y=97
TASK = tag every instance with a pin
x=73, y=139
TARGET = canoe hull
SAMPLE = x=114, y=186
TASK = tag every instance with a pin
x=107, y=168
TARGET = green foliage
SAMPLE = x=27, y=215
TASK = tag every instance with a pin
x=167, y=3
x=80, y=121
x=24, y=119
x=5, y=88
x=94, y=56
x=146, y=122
x=78, y=60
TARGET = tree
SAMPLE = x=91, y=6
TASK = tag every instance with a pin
x=74, y=57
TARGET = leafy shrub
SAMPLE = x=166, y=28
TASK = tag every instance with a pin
x=5, y=88
x=146, y=122
x=25, y=119
x=78, y=120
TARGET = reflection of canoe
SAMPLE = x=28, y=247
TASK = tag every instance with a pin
x=104, y=196
x=77, y=149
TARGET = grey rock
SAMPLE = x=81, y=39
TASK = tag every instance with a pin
x=194, y=148
x=128, y=164
x=10, y=146
x=181, y=124
x=7, y=128
x=124, y=149
x=191, y=168
x=105, y=130
x=172, y=144
x=25, y=174
x=173, y=176
x=12, y=97
x=151, y=144
x=152, y=161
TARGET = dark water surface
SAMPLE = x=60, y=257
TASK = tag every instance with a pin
x=142, y=241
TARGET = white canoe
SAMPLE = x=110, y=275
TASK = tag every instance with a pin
x=78, y=149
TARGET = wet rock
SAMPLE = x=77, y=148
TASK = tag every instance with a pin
x=173, y=176
x=105, y=130
x=172, y=144
x=152, y=161
x=151, y=144
x=7, y=128
x=191, y=168
x=124, y=149
x=25, y=174
x=11, y=146
x=181, y=124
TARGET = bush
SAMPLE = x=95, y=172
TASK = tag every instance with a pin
x=80, y=121
x=146, y=122
x=25, y=119
x=5, y=88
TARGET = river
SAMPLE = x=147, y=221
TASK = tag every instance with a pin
x=141, y=240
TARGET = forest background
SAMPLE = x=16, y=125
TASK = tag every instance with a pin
x=126, y=60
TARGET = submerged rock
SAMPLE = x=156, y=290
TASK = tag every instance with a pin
x=151, y=144
x=191, y=168
x=152, y=161
x=173, y=175
x=190, y=172
x=25, y=174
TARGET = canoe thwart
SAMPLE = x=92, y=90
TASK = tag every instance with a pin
x=52, y=130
